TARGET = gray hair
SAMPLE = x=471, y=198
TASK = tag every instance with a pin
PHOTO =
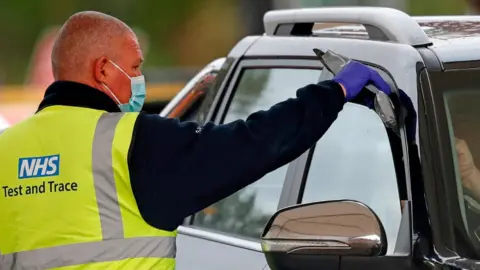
x=85, y=36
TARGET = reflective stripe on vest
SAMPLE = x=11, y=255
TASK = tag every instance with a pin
x=111, y=221
x=93, y=252
x=2, y=130
x=114, y=246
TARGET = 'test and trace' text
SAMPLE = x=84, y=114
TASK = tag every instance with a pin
x=35, y=167
x=44, y=187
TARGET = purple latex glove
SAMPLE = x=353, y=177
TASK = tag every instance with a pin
x=355, y=76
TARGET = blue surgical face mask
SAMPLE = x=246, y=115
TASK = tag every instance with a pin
x=138, y=93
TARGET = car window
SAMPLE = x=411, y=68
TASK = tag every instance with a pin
x=187, y=107
x=186, y=104
x=456, y=96
x=353, y=160
x=246, y=212
x=463, y=117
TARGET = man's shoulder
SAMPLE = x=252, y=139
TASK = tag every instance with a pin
x=146, y=126
x=149, y=116
x=148, y=120
x=153, y=129
x=154, y=123
x=153, y=132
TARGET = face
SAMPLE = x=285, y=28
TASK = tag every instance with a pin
x=129, y=59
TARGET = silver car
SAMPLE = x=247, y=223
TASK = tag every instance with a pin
x=340, y=205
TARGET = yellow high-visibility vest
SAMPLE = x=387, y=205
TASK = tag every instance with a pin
x=66, y=199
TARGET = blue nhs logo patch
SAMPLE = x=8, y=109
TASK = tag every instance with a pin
x=32, y=167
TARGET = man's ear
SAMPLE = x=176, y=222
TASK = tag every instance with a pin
x=101, y=69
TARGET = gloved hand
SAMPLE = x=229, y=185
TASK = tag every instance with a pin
x=411, y=117
x=355, y=76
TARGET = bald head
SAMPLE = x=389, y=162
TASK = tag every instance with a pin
x=84, y=38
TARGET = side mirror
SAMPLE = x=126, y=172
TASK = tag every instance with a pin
x=320, y=233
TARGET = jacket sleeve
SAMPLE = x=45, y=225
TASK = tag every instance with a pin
x=179, y=168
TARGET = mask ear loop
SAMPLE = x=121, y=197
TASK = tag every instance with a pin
x=113, y=63
x=113, y=95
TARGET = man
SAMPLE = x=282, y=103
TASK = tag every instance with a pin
x=88, y=181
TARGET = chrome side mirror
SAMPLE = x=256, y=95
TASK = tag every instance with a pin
x=342, y=228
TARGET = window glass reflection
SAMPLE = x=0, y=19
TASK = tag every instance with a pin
x=353, y=160
x=246, y=212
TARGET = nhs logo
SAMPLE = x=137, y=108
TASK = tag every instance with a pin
x=31, y=167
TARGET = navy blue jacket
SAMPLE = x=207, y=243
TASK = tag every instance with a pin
x=179, y=168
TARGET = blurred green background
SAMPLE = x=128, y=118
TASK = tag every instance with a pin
x=181, y=33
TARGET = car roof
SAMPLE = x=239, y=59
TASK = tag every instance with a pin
x=436, y=27
x=454, y=38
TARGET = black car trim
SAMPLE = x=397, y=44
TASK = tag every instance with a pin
x=293, y=186
x=462, y=65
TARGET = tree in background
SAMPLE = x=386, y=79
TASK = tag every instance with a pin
x=252, y=12
x=180, y=33
x=436, y=7
x=207, y=33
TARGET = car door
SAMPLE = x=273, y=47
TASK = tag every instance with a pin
x=359, y=159
x=226, y=235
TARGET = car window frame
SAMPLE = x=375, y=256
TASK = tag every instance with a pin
x=194, y=98
x=311, y=150
x=217, y=113
x=404, y=234
x=440, y=161
x=213, y=68
x=296, y=169
x=209, y=108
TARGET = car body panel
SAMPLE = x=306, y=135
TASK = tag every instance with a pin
x=242, y=46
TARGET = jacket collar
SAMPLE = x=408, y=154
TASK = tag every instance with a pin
x=68, y=93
